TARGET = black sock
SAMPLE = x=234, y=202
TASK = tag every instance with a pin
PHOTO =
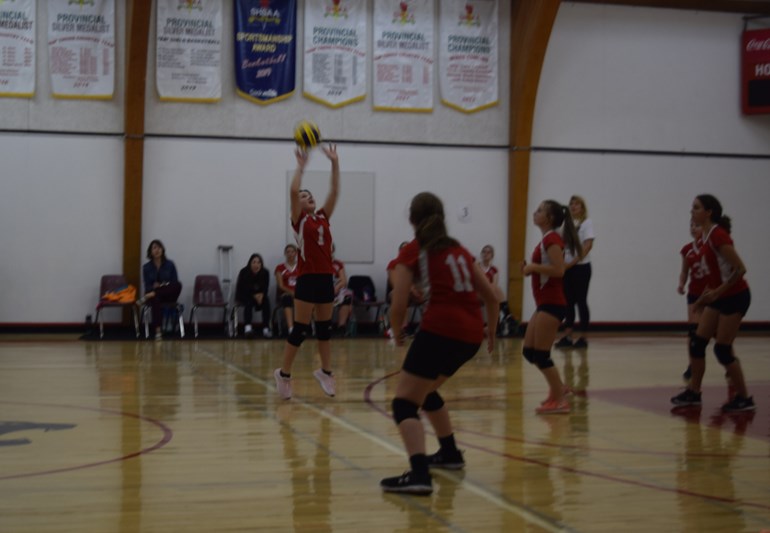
x=419, y=464
x=448, y=443
x=327, y=372
x=283, y=375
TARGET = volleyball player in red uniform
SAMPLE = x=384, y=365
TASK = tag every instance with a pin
x=315, y=286
x=451, y=331
x=505, y=323
x=691, y=268
x=547, y=271
x=286, y=278
x=725, y=302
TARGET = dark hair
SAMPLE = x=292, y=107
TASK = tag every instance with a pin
x=426, y=214
x=559, y=214
x=252, y=259
x=149, y=250
x=710, y=203
x=289, y=246
x=491, y=248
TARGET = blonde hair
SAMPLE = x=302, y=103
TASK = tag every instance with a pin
x=582, y=202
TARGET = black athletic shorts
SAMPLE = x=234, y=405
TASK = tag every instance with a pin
x=692, y=298
x=737, y=303
x=559, y=311
x=431, y=355
x=315, y=288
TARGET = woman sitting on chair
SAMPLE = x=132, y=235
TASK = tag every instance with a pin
x=161, y=284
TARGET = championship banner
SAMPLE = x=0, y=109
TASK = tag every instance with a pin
x=468, y=54
x=335, y=51
x=17, y=42
x=188, y=50
x=265, y=49
x=756, y=72
x=81, y=48
x=403, y=55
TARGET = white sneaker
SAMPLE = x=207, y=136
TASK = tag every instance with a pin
x=266, y=333
x=282, y=384
x=326, y=381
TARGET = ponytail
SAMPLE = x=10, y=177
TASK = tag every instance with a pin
x=725, y=223
x=559, y=214
x=426, y=213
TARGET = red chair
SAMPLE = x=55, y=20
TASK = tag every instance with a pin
x=207, y=293
x=114, y=283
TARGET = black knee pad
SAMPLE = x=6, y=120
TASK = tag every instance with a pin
x=323, y=330
x=724, y=353
x=698, y=347
x=542, y=359
x=528, y=354
x=403, y=409
x=299, y=334
x=433, y=402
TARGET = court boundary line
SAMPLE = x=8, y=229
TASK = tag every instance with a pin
x=527, y=514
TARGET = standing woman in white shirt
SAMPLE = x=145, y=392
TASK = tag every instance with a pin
x=577, y=276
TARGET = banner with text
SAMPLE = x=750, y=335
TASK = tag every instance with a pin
x=756, y=72
x=403, y=55
x=468, y=53
x=17, y=43
x=335, y=51
x=265, y=49
x=188, y=50
x=81, y=48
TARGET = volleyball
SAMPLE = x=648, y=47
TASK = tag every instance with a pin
x=306, y=135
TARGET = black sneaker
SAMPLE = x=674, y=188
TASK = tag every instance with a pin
x=447, y=460
x=739, y=403
x=580, y=343
x=408, y=483
x=564, y=342
x=686, y=397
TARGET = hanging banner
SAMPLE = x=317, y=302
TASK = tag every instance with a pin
x=17, y=49
x=81, y=48
x=756, y=72
x=265, y=49
x=335, y=51
x=403, y=55
x=188, y=50
x=468, y=54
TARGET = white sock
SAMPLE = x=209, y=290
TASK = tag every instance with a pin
x=247, y=328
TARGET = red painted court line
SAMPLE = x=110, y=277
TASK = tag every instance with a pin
x=168, y=434
x=587, y=473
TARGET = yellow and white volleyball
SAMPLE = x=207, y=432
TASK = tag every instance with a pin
x=307, y=135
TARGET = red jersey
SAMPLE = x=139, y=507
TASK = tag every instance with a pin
x=490, y=272
x=314, y=241
x=547, y=290
x=452, y=306
x=287, y=274
x=716, y=268
x=697, y=274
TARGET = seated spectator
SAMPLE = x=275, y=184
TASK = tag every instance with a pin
x=251, y=293
x=286, y=278
x=161, y=284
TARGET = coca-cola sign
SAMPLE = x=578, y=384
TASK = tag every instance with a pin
x=758, y=45
x=755, y=72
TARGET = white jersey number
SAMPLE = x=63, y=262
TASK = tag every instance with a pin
x=460, y=273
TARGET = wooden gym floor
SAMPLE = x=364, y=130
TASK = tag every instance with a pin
x=189, y=436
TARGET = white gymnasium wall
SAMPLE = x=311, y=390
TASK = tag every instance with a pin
x=615, y=78
x=648, y=80
x=199, y=194
x=61, y=216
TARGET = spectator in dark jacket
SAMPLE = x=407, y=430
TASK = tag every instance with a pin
x=251, y=293
x=161, y=284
